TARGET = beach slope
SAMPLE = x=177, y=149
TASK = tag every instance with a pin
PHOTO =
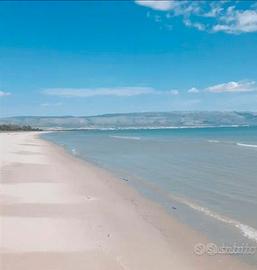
x=57, y=212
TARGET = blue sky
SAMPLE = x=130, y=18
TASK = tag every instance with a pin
x=86, y=58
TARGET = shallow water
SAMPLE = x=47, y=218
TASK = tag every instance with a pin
x=206, y=177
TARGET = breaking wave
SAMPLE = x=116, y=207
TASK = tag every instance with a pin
x=126, y=137
x=247, y=145
x=246, y=230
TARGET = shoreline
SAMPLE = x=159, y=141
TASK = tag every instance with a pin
x=80, y=214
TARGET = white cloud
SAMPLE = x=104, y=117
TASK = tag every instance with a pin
x=179, y=7
x=174, y=92
x=91, y=92
x=4, y=94
x=193, y=90
x=233, y=87
x=116, y=92
x=236, y=22
x=163, y=5
x=56, y=104
x=197, y=25
x=212, y=16
x=216, y=8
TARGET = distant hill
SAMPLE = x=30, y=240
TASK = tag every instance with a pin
x=137, y=120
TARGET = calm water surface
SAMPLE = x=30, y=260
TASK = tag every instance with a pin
x=206, y=177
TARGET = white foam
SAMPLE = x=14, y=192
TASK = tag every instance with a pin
x=213, y=141
x=152, y=127
x=246, y=230
x=126, y=137
x=74, y=151
x=247, y=145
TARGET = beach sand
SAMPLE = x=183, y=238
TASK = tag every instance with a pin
x=58, y=212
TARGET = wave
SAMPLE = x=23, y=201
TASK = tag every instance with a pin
x=247, y=145
x=235, y=143
x=246, y=230
x=74, y=151
x=126, y=137
x=213, y=141
x=147, y=127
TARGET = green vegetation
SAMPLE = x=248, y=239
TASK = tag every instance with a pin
x=11, y=127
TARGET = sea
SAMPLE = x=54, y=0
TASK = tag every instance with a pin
x=204, y=177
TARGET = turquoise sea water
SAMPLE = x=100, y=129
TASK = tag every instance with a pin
x=205, y=177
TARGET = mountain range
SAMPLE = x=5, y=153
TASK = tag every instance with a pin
x=138, y=120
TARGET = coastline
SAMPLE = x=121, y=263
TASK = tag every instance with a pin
x=60, y=212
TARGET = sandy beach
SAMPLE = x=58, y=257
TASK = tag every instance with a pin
x=59, y=212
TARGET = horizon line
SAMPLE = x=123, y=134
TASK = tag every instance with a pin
x=127, y=113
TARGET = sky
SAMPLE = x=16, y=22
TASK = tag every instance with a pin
x=97, y=57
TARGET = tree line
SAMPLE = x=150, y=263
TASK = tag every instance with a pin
x=12, y=127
